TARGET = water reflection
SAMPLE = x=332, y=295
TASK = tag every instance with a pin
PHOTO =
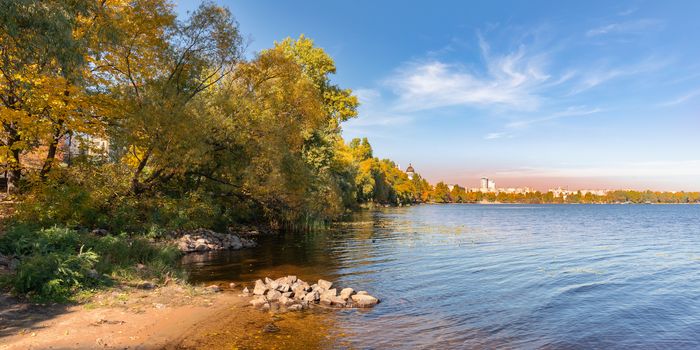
x=452, y=276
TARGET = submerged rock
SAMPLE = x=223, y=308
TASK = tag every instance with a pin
x=258, y=301
x=213, y=288
x=271, y=328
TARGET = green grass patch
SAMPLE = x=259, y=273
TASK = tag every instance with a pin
x=62, y=264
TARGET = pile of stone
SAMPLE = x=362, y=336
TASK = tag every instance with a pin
x=294, y=294
x=203, y=240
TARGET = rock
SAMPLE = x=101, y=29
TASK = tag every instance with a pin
x=213, y=288
x=92, y=273
x=268, y=280
x=258, y=301
x=273, y=285
x=184, y=247
x=159, y=306
x=232, y=285
x=260, y=288
x=325, y=284
x=284, y=301
x=273, y=295
x=205, y=240
x=283, y=288
x=311, y=297
x=245, y=290
x=346, y=293
x=295, y=307
x=287, y=294
x=271, y=328
x=362, y=292
x=292, y=278
x=327, y=295
x=201, y=247
x=364, y=300
x=299, y=295
x=146, y=285
x=99, y=232
x=265, y=307
x=337, y=301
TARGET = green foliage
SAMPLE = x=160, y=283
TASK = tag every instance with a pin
x=56, y=263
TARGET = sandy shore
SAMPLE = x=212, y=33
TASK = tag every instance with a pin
x=172, y=317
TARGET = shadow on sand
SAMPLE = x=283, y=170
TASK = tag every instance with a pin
x=18, y=316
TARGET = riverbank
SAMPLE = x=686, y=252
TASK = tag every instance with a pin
x=170, y=317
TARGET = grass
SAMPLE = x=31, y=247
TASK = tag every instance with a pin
x=63, y=264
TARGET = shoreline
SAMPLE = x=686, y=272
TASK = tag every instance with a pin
x=176, y=316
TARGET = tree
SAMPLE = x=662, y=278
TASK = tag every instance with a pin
x=441, y=193
x=43, y=61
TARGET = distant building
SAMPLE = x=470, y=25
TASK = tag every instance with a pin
x=85, y=145
x=410, y=172
x=484, y=184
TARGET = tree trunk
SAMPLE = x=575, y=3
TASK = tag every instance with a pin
x=136, y=185
x=51, y=155
x=14, y=174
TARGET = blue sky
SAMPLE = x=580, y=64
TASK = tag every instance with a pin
x=588, y=94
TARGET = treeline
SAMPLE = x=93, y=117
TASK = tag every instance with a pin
x=116, y=115
x=197, y=134
x=442, y=193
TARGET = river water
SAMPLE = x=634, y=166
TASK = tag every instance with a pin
x=497, y=276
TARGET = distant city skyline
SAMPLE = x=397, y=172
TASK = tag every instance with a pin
x=593, y=94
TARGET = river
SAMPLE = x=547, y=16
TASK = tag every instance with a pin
x=497, y=276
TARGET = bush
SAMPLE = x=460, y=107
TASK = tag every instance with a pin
x=58, y=262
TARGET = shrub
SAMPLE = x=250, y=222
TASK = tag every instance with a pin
x=58, y=262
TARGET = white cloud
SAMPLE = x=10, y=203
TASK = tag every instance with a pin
x=511, y=81
x=628, y=27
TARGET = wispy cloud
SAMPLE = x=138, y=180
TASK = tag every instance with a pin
x=496, y=135
x=628, y=11
x=569, y=112
x=597, y=77
x=682, y=99
x=628, y=27
x=511, y=80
